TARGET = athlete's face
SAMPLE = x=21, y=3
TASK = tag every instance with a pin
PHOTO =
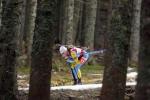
x=65, y=54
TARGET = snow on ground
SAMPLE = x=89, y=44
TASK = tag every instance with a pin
x=21, y=76
x=80, y=87
x=23, y=89
x=77, y=87
x=131, y=77
x=132, y=74
x=131, y=69
x=131, y=81
x=85, y=87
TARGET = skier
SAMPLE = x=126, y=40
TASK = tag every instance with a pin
x=75, y=58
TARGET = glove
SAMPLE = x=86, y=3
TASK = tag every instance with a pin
x=82, y=60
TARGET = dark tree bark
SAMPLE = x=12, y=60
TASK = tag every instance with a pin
x=41, y=64
x=143, y=81
x=78, y=27
x=21, y=33
x=114, y=80
x=101, y=27
x=61, y=18
x=64, y=20
x=30, y=14
x=69, y=23
x=76, y=18
x=89, y=22
x=8, y=48
x=0, y=12
x=135, y=32
x=57, y=31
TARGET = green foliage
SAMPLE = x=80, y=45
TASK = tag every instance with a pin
x=92, y=68
x=23, y=70
x=133, y=64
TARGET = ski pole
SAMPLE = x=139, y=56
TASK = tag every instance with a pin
x=96, y=52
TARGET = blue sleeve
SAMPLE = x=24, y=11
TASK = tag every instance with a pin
x=69, y=61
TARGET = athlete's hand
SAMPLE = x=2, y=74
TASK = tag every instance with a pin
x=83, y=60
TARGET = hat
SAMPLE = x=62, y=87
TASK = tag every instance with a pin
x=62, y=49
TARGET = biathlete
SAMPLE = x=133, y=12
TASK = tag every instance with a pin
x=75, y=57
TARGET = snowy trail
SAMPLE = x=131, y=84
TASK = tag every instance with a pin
x=80, y=87
x=85, y=87
x=131, y=76
x=77, y=87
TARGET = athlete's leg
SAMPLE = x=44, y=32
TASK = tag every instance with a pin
x=78, y=66
x=75, y=76
x=78, y=71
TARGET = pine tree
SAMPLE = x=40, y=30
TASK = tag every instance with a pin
x=76, y=18
x=89, y=22
x=30, y=14
x=69, y=24
x=0, y=12
x=135, y=32
x=8, y=48
x=143, y=81
x=41, y=64
x=114, y=79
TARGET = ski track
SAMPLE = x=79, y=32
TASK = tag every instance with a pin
x=131, y=75
x=79, y=87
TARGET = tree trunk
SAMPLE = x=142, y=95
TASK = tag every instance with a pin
x=0, y=12
x=8, y=48
x=57, y=31
x=41, y=64
x=61, y=18
x=89, y=22
x=64, y=21
x=76, y=18
x=69, y=24
x=101, y=27
x=78, y=26
x=135, y=36
x=114, y=79
x=30, y=15
x=98, y=24
x=143, y=82
x=21, y=33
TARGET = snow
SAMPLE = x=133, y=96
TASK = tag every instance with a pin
x=80, y=87
x=131, y=77
x=85, y=87
x=132, y=74
x=23, y=89
x=131, y=69
x=77, y=87
x=131, y=81
x=21, y=76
